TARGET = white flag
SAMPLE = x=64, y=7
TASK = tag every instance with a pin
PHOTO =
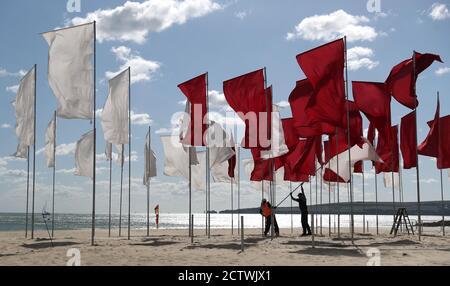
x=219, y=143
x=198, y=172
x=70, y=71
x=219, y=173
x=24, y=106
x=150, y=161
x=50, y=143
x=108, y=151
x=176, y=157
x=84, y=155
x=120, y=156
x=115, y=112
x=388, y=180
x=367, y=152
x=278, y=145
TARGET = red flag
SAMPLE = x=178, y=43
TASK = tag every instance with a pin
x=324, y=68
x=262, y=169
x=388, y=152
x=430, y=146
x=401, y=80
x=232, y=164
x=195, y=92
x=443, y=161
x=408, y=140
x=358, y=167
x=248, y=98
x=330, y=176
x=298, y=100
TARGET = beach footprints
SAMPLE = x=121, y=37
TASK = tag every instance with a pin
x=374, y=256
x=74, y=255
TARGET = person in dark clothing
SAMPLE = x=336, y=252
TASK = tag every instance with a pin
x=266, y=211
x=304, y=211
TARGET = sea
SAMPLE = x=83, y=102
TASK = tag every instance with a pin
x=16, y=221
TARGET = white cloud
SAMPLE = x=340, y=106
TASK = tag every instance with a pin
x=140, y=119
x=62, y=149
x=134, y=21
x=361, y=57
x=217, y=99
x=13, y=88
x=5, y=73
x=282, y=104
x=332, y=26
x=141, y=69
x=163, y=131
x=241, y=15
x=439, y=11
x=6, y=125
x=136, y=118
x=442, y=71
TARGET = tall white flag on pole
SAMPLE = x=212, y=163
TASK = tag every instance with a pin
x=176, y=157
x=388, y=180
x=150, y=161
x=70, y=70
x=50, y=143
x=24, y=106
x=278, y=145
x=115, y=112
x=84, y=155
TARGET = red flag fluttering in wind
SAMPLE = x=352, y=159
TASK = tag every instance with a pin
x=430, y=146
x=248, y=98
x=443, y=160
x=329, y=175
x=262, y=169
x=388, y=152
x=324, y=68
x=232, y=164
x=408, y=140
x=195, y=92
x=401, y=80
x=303, y=123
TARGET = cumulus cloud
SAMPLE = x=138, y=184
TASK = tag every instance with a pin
x=62, y=149
x=5, y=125
x=361, y=57
x=136, y=118
x=133, y=21
x=442, y=71
x=5, y=73
x=13, y=88
x=282, y=104
x=439, y=11
x=141, y=69
x=241, y=15
x=332, y=26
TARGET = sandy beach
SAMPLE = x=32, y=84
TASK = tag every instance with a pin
x=173, y=247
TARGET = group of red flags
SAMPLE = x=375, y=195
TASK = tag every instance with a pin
x=320, y=106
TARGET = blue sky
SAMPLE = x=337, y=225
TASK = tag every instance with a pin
x=225, y=38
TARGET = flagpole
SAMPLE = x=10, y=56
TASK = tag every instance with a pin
x=338, y=186
x=376, y=199
x=34, y=155
x=28, y=188
x=238, y=162
x=129, y=152
x=364, y=199
x=315, y=206
x=292, y=215
x=349, y=144
x=262, y=217
x=440, y=172
x=190, y=193
x=321, y=205
x=208, y=163
x=329, y=190
x=110, y=185
x=54, y=175
x=121, y=190
x=149, y=178
x=417, y=152
x=232, y=211
x=95, y=136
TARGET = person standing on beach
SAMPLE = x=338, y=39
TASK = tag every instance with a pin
x=266, y=211
x=304, y=211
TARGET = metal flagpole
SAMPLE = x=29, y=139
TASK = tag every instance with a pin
x=208, y=163
x=34, y=155
x=121, y=190
x=95, y=137
x=238, y=162
x=321, y=205
x=110, y=186
x=190, y=193
x=329, y=190
x=149, y=178
x=417, y=153
x=28, y=189
x=129, y=152
x=376, y=199
x=54, y=175
x=442, y=184
x=338, y=187
x=363, y=199
x=315, y=206
x=232, y=210
x=348, y=141
x=262, y=217
x=292, y=216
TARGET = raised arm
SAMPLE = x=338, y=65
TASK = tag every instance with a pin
x=292, y=197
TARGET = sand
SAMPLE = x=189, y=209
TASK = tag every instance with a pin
x=173, y=247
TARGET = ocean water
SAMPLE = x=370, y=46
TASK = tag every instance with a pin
x=16, y=221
